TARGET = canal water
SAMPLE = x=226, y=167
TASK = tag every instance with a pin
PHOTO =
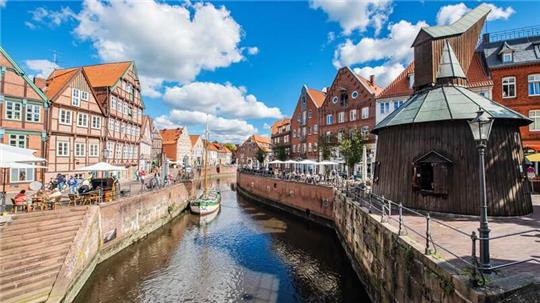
x=247, y=253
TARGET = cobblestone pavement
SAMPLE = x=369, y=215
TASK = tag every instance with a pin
x=504, y=250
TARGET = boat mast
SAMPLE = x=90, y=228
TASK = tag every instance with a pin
x=206, y=160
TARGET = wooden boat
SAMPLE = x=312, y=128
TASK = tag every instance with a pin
x=210, y=200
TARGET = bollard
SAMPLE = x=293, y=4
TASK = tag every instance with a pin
x=473, y=257
x=402, y=231
x=428, y=235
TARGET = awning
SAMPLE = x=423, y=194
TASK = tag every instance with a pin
x=534, y=157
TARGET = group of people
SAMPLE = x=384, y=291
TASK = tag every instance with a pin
x=73, y=184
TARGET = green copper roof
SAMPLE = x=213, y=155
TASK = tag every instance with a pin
x=449, y=66
x=447, y=103
x=460, y=26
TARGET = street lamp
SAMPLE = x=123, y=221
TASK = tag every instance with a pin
x=481, y=128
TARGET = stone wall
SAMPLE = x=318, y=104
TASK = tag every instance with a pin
x=110, y=227
x=393, y=268
x=306, y=200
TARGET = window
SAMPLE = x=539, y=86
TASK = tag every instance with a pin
x=384, y=107
x=84, y=95
x=96, y=122
x=109, y=151
x=341, y=117
x=335, y=99
x=303, y=100
x=535, y=116
x=82, y=120
x=126, y=108
x=534, y=85
x=507, y=57
x=75, y=97
x=352, y=115
x=19, y=175
x=62, y=149
x=80, y=149
x=18, y=141
x=354, y=95
x=365, y=112
x=93, y=150
x=304, y=117
x=33, y=113
x=329, y=119
x=310, y=114
x=13, y=110
x=364, y=131
x=114, y=102
x=509, y=87
x=316, y=129
x=65, y=117
x=118, y=151
x=344, y=99
x=430, y=174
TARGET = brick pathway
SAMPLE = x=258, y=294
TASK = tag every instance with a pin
x=504, y=250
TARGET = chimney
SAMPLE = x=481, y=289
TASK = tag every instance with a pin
x=40, y=82
x=372, y=79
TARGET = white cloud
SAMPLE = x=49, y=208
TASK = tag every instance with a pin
x=3, y=3
x=253, y=50
x=451, y=13
x=151, y=87
x=355, y=14
x=52, y=18
x=222, y=99
x=41, y=67
x=221, y=129
x=30, y=25
x=267, y=126
x=384, y=74
x=173, y=42
x=396, y=47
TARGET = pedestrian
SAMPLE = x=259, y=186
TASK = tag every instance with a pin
x=72, y=183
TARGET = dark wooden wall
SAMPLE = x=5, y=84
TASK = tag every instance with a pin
x=508, y=192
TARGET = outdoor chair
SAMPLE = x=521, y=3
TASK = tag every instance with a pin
x=39, y=202
x=21, y=207
x=74, y=199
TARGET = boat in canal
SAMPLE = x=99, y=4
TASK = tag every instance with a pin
x=210, y=200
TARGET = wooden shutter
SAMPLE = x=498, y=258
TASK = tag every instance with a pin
x=440, y=178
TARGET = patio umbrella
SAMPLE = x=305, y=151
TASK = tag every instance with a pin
x=534, y=157
x=275, y=162
x=16, y=154
x=101, y=166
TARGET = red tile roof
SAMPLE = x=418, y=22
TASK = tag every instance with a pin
x=279, y=124
x=477, y=76
x=107, y=74
x=170, y=136
x=317, y=96
x=261, y=139
x=58, y=79
x=194, y=139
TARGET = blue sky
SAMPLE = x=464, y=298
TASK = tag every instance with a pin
x=240, y=63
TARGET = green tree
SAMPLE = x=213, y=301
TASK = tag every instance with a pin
x=326, y=142
x=260, y=155
x=280, y=152
x=351, y=149
x=230, y=146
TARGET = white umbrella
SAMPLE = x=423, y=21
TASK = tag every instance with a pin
x=16, y=154
x=307, y=162
x=19, y=165
x=101, y=166
x=275, y=162
x=290, y=162
x=327, y=162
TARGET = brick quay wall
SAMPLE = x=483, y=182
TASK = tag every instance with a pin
x=392, y=268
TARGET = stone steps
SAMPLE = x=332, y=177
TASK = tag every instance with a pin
x=33, y=248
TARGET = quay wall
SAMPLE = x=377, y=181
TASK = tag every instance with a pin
x=309, y=201
x=111, y=227
x=392, y=268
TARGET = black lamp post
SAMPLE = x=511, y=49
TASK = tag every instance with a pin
x=481, y=128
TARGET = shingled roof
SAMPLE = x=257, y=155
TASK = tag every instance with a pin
x=171, y=136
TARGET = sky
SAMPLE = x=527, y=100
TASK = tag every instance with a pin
x=240, y=65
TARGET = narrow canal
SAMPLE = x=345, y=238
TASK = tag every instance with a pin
x=247, y=253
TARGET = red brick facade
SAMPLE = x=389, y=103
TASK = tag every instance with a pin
x=349, y=105
x=522, y=102
x=305, y=127
x=281, y=135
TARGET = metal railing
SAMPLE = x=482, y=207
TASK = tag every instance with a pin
x=394, y=213
x=523, y=32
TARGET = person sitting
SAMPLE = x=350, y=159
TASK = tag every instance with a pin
x=21, y=198
x=85, y=187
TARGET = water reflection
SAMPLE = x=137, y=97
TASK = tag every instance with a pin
x=247, y=253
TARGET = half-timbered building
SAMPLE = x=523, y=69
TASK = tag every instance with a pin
x=23, y=119
x=75, y=123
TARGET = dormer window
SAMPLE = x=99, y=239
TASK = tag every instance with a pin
x=344, y=99
x=507, y=57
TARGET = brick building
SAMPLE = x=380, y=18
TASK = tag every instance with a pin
x=23, y=119
x=246, y=154
x=349, y=105
x=514, y=64
x=177, y=145
x=305, y=125
x=281, y=136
